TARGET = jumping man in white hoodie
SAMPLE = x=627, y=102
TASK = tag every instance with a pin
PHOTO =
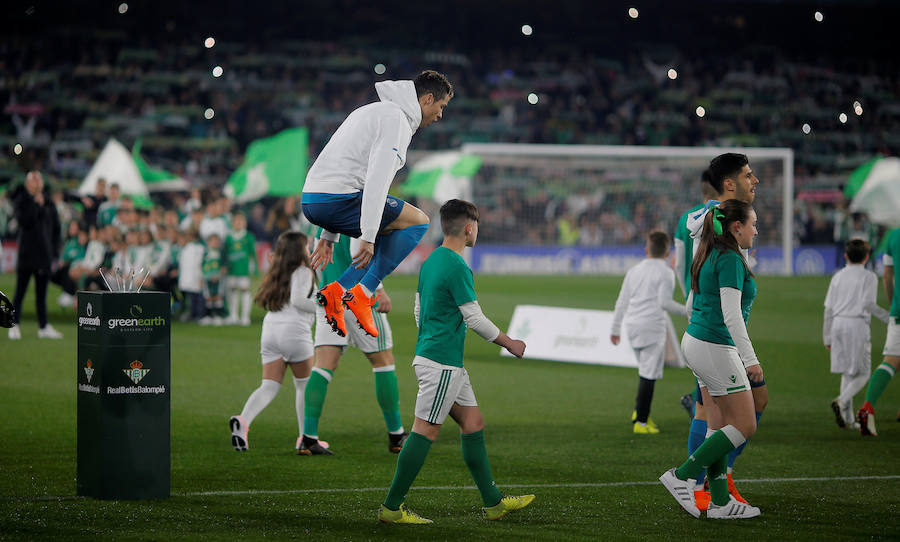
x=346, y=192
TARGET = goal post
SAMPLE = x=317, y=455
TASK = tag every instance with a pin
x=591, y=198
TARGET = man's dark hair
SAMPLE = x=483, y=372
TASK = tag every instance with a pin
x=657, y=243
x=455, y=214
x=856, y=250
x=706, y=187
x=434, y=83
x=725, y=166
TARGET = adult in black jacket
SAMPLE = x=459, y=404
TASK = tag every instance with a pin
x=38, y=249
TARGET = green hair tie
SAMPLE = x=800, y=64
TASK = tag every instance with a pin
x=718, y=220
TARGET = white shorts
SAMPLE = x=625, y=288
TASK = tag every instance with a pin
x=355, y=336
x=851, y=347
x=718, y=367
x=287, y=341
x=892, y=341
x=238, y=283
x=440, y=386
x=650, y=360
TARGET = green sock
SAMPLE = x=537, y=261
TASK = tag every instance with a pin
x=409, y=462
x=718, y=481
x=716, y=446
x=316, y=390
x=388, y=397
x=475, y=456
x=879, y=381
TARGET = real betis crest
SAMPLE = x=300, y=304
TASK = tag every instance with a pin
x=136, y=372
x=89, y=370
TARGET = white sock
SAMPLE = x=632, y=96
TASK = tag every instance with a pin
x=300, y=384
x=852, y=385
x=247, y=305
x=260, y=399
x=233, y=303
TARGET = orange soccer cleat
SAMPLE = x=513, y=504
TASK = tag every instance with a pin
x=732, y=489
x=329, y=297
x=361, y=305
x=702, y=498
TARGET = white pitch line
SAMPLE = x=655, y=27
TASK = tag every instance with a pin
x=518, y=486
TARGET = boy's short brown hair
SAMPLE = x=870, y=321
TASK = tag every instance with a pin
x=657, y=243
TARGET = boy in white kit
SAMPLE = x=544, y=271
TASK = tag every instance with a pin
x=646, y=292
x=849, y=305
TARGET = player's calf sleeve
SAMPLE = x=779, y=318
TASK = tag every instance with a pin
x=300, y=400
x=716, y=446
x=316, y=390
x=260, y=399
x=737, y=451
x=644, y=398
x=390, y=250
x=388, y=395
x=695, y=439
x=475, y=456
x=879, y=381
x=409, y=463
x=352, y=275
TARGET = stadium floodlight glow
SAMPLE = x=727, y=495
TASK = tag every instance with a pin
x=819, y=17
x=672, y=74
x=380, y=68
x=209, y=42
x=532, y=98
x=123, y=7
x=17, y=149
x=701, y=111
x=209, y=113
x=806, y=128
x=857, y=108
x=843, y=118
x=527, y=30
x=217, y=71
x=633, y=13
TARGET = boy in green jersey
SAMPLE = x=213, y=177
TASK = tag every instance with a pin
x=446, y=306
x=240, y=253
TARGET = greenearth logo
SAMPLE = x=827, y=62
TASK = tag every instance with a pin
x=158, y=321
x=136, y=311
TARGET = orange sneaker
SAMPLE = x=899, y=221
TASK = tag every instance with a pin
x=702, y=498
x=329, y=297
x=361, y=305
x=732, y=489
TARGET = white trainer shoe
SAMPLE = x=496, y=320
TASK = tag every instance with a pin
x=682, y=491
x=48, y=332
x=734, y=509
x=15, y=333
x=239, y=431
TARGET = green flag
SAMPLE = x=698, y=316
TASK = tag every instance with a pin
x=274, y=166
x=442, y=176
x=858, y=177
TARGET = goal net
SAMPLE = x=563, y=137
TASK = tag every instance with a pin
x=586, y=209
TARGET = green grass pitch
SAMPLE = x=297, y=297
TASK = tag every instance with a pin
x=560, y=431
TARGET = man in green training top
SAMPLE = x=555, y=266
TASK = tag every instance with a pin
x=885, y=372
x=330, y=345
x=446, y=306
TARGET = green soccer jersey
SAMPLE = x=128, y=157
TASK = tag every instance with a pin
x=684, y=235
x=720, y=270
x=893, y=250
x=445, y=283
x=240, y=250
x=212, y=263
x=341, y=261
x=72, y=251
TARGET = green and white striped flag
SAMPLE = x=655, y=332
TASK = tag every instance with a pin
x=875, y=189
x=273, y=166
x=442, y=176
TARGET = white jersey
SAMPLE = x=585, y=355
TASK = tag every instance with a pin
x=190, y=267
x=849, y=304
x=300, y=308
x=214, y=225
x=646, y=292
x=367, y=150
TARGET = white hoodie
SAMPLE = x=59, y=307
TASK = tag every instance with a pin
x=367, y=150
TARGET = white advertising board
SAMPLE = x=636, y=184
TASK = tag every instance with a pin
x=579, y=336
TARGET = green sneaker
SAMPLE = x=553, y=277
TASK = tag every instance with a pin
x=650, y=421
x=507, y=504
x=404, y=515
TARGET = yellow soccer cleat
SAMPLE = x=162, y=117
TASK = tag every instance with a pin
x=506, y=505
x=644, y=429
x=404, y=516
x=650, y=421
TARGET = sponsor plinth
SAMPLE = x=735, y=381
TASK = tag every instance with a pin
x=123, y=387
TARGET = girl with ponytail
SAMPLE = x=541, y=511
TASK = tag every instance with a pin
x=718, y=350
